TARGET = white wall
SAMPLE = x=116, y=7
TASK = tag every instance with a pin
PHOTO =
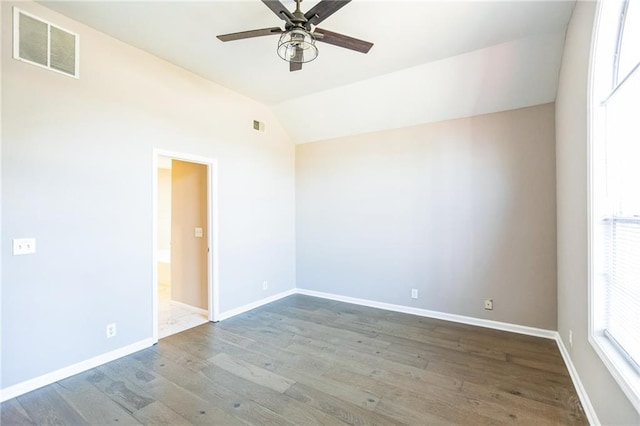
x=77, y=175
x=460, y=210
x=164, y=209
x=611, y=404
x=510, y=75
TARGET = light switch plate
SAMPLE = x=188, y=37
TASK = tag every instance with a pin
x=24, y=246
x=198, y=232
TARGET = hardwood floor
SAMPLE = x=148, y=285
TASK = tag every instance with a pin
x=305, y=361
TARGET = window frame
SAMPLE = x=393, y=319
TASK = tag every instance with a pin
x=620, y=367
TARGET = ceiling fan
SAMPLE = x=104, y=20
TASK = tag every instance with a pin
x=297, y=39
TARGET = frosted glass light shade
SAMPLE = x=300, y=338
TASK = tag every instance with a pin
x=297, y=45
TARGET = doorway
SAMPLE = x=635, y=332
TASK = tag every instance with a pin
x=185, y=254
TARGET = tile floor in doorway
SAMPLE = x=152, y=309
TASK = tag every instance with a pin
x=175, y=317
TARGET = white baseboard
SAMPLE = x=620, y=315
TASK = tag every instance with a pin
x=521, y=329
x=63, y=373
x=582, y=392
x=249, y=306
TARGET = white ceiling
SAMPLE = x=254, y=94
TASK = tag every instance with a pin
x=431, y=60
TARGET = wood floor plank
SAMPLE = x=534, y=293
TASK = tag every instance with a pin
x=252, y=373
x=361, y=397
x=524, y=409
x=345, y=411
x=189, y=406
x=539, y=362
x=218, y=396
x=275, y=358
x=307, y=369
x=159, y=414
x=381, y=369
x=118, y=391
x=319, y=331
x=483, y=372
x=282, y=404
x=555, y=390
x=448, y=407
x=378, y=355
x=429, y=343
x=364, y=398
x=91, y=403
x=12, y=413
x=442, y=404
x=509, y=342
x=410, y=366
x=308, y=361
x=258, y=329
x=46, y=407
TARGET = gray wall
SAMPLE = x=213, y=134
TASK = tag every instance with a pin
x=77, y=175
x=460, y=210
x=611, y=405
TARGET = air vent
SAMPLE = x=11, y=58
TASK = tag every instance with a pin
x=258, y=125
x=41, y=43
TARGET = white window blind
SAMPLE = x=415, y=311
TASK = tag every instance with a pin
x=623, y=288
x=621, y=224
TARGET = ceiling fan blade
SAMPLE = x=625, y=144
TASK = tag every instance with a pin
x=299, y=55
x=323, y=10
x=279, y=9
x=342, y=40
x=250, y=34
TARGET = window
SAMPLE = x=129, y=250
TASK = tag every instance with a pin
x=615, y=193
x=40, y=43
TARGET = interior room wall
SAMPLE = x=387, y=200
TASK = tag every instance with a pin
x=77, y=173
x=189, y=266
x=460, y=210
x=164, y=225
x=610, y=403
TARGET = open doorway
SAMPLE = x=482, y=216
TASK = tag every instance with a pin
x=184, y=267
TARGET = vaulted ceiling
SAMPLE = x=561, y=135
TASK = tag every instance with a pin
x=431, y=60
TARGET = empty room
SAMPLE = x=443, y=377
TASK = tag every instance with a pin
x=411, y=212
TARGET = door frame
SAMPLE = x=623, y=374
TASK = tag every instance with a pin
x=213, y=301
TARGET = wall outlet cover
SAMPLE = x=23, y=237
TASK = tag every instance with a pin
x=111, y=330
x=24, y=246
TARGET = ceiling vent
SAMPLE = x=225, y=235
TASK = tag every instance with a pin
x=41, y=43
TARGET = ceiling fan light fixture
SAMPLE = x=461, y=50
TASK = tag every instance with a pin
x=297, y=45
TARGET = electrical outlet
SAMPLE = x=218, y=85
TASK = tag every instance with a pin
x=570, y=338
x=111, y=330
x=414, y=293
x=265, y=285
x=488, y=304
x=24, y=246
